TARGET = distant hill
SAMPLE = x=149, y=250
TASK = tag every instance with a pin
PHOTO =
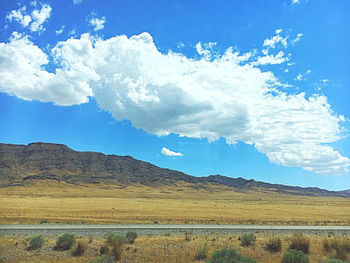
x=21, y=164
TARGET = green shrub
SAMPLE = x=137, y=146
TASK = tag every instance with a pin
x=130, y=237
x=117, y=249
x=201, y=254
x=65, y=242
x=44, y=221
x=115, y=237
x=295, y=256
x=36, y=242
x=300, y=242
x=248, y=239
x=229, y=256
x=79, y=250
x=273, y=245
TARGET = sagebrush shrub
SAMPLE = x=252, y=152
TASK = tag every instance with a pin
x=229, y=256
x=300, y=242
x=65, y=242
x=112, y=237
x=114, y=245
x=36, y=242
x=248, y=239
x=130, y=237
x=295, y=256
x=273, y=245
x=116, y=249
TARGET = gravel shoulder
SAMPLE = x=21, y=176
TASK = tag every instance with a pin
x=156, y=229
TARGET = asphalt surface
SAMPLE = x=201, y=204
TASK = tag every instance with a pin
x=156, y=229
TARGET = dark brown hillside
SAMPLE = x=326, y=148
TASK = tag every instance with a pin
x=20, y=164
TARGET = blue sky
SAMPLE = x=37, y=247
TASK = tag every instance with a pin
x=257, y=89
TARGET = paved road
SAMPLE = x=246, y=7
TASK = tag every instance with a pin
x=161, y=229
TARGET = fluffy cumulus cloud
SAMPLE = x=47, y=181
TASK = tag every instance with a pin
x=22, y=74
x=20, y=16
x=39, y=17
x=272, y=42
x=218, y=95
x=97, y=23
x=35, y=20
x=165, y=151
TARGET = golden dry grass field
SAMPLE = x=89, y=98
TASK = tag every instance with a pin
x=61, y=202
x=160, y=249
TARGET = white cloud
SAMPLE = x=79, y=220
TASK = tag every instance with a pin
x=227, y=97
x=22, y=74
x=20, y=16
x=167, y=152
x=301, y=77
x=34, y=21
x=321, y=84
x=72, y=32
x=180, y=45
x=97, y=23
x=298, y=38
x=39, y=17
x=272, y=42
x=296, y=2
x=76, y=2
x=279, y=58
x=60, y=31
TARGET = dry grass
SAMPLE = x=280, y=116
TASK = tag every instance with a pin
x=61, y=202
x=157, y=249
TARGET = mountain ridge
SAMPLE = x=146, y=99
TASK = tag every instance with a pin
x=20, y=164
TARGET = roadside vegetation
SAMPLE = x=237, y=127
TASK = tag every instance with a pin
x=36, y=242
x=178, y=248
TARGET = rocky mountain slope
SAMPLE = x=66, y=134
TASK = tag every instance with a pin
x=20, y=164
